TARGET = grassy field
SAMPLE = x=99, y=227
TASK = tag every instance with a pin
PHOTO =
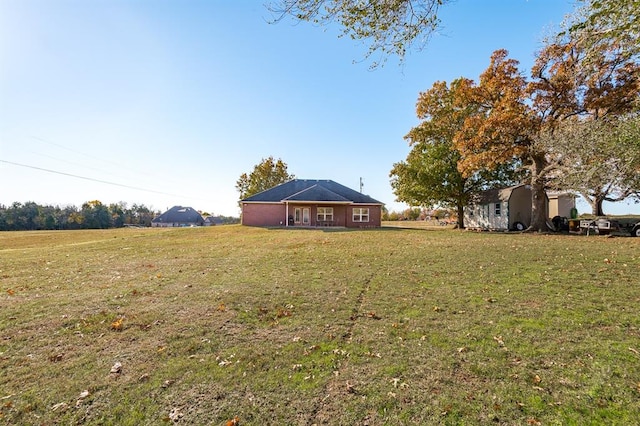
x=308, y=327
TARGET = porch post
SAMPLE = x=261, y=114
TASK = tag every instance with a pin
x=286, y=214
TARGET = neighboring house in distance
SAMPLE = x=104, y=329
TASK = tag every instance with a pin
x=501, y=209
x=309, y=202
x=178, y=216
x=212, y=221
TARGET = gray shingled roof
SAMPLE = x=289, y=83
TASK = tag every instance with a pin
x=179, y=214
x=495, y=195
x=310, y=190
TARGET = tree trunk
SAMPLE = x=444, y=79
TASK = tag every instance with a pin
x=596, y=207
x=538, y=197
x=460, y=216
x=595, y=202
x=538, y=207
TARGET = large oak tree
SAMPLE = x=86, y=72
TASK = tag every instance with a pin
x=586, y=96
x=267, y=174
x=503, y=129
x=598, y=159
x=430, y=177
x=607, y=21
x=515, y=116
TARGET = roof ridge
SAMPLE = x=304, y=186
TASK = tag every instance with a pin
x=316, y=185
x=301, y=191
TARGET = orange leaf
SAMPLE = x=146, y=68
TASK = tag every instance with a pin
x=117, y=324
x=235, y=421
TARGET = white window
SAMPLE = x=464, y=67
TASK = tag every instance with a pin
x=497, y=209
x=325, y=214
x=360, y=214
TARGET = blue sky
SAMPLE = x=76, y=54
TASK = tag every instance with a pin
x=167, y=102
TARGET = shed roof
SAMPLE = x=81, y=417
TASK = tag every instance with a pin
x=496, y=195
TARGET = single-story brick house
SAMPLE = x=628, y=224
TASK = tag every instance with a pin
x=178, y=216
x=310, y=202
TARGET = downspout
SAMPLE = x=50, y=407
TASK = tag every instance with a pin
x=286, y=214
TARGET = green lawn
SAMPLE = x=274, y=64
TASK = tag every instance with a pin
x=300, y=327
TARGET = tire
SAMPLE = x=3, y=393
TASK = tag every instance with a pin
x=635, y=232
x=519, y=226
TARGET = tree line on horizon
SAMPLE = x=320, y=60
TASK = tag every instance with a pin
x=31, y=216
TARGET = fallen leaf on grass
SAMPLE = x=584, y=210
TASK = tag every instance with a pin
x=56, y=358
x=635, y=351
x=373, y=315
x=235, y=421
x=283, y=313
x=11, y=292
x=81, y=397
x=117, y=324
x=222, y=307
x=116, y=369
x=62, y=406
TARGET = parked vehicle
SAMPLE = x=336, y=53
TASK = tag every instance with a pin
x=605, y=226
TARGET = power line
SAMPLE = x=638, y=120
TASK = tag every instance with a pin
x=77, y=152
x=91, y=179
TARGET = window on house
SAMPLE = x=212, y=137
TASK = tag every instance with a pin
x=497, y=209
x=325, y=214
x=360, y=214
x=297, y=216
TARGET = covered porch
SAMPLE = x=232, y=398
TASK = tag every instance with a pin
x=316, y=214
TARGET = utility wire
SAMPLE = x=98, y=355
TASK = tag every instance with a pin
x=74, y=151
x=92, y=179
